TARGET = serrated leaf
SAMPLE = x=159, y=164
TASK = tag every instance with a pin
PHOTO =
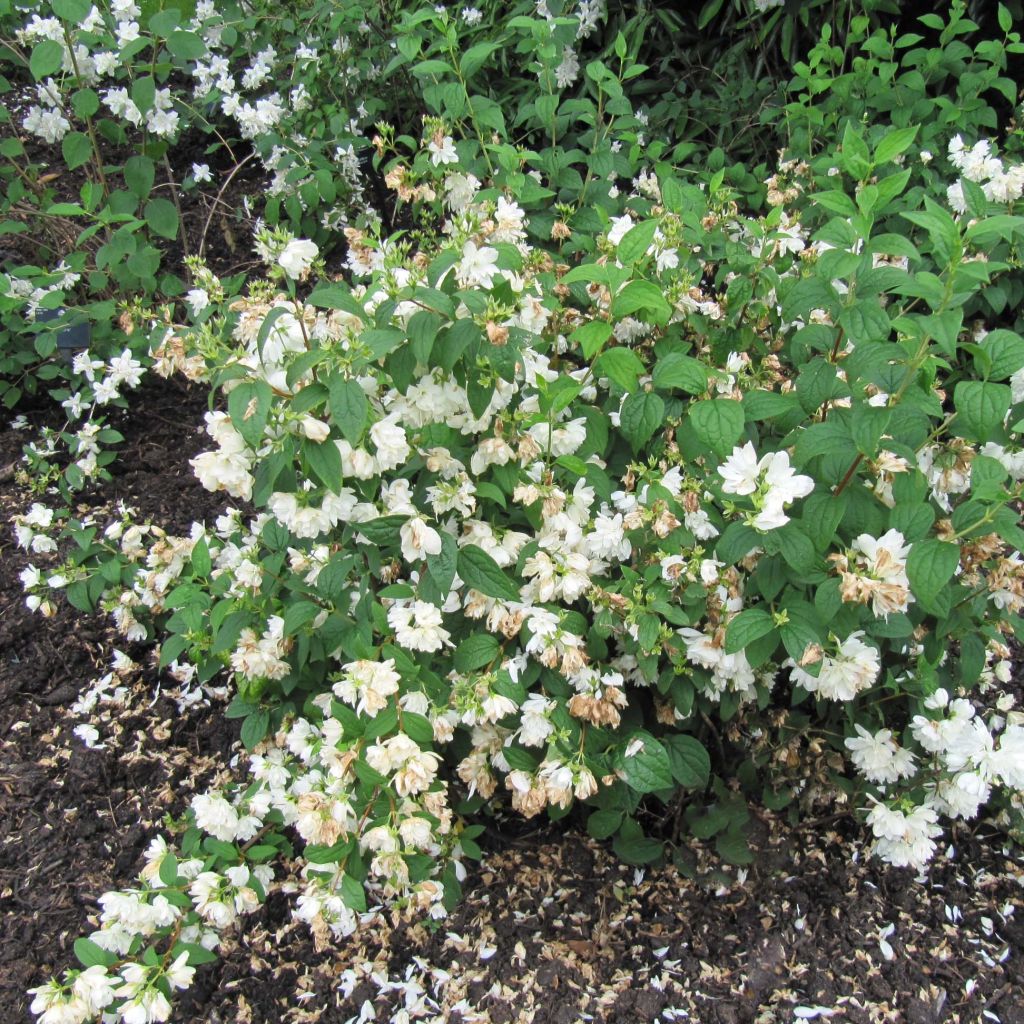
x=981, y=407
x=642, y=297
x=349, y=407
x=353, y=894
x=648, y=770
x=162, y=217
x=749, y=625
x=382, y=531
x=604, y=824
x=897, y=141
x=620, y=365
x=591, y=337
x=733, y=847
x=677, y=370
x=718, y=423
x=476, y=651
x=248, y=407
x=325, y=462
x=930, y=566
x=91, y=955
x=46, y=60
x=641, y=416
x=480, y=572
x=254, y=728
x=689, y=761
x=636, y=241
x=417, y=728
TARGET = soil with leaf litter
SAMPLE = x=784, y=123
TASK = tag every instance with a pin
x=552, y=929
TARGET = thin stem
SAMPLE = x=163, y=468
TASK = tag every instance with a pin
x=97, y=157
x=177, y=204
x=849, y=476
x=209, y=218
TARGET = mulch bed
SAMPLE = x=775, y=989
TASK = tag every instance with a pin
x=552, y=930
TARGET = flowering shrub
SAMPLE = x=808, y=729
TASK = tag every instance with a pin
x=595, y=487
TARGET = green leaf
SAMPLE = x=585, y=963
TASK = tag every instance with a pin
x=677, y=370
x=718, y=423
x=299, y=614
x=47, y=58
x=865, y=320
x=1005, y=351
x=591, y=337
x=637, y=849
x=169, y=869
x=441, y=567
x=76, y=149
x=672, y=195
x=642, y=297
x=74, y=11
x=91, y=955
x=854, y=156
x=987, y=477
x=325, y=462
x=649, y=769
x=201, y=562
x=353, y=895
x=249, y=406
x=797, y=633
x=642, y=414
x=139, y=174
x=254, y=728
x=349, y=407
x=604, y=824
x=796, y=547
x=185, y=45
x=621, y=365
x=636, y=241
x=197, y=955
x=732, y=846
x=473, y=59
x=162, y=217
x=981, y=407
x=336, y=296
x=480, y=572
x=930, y=566
x=476, y=651
x=383, y=530
x=749, y=625
x=417, y=728
x=689, y=761
x=895, y=142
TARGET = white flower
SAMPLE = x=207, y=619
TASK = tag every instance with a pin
x=215, y=815
x=443, y=153
x=198, y=299
x=418, y=626
x=878, y=757
x=201, y=173
x=297, y=257
x=419, y=540
x=568, y=70
x=844, y=675
x=904, y=840
x=740, y=471
x=478, y=266
x=392, y=446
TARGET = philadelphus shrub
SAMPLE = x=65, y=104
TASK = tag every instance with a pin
x=537, y=518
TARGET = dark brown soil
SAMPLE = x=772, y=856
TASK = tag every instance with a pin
x=552, y=930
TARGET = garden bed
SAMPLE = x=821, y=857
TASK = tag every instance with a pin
x=552, y=928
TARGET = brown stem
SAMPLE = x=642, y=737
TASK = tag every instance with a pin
x=227, y=181
x=849, y=475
